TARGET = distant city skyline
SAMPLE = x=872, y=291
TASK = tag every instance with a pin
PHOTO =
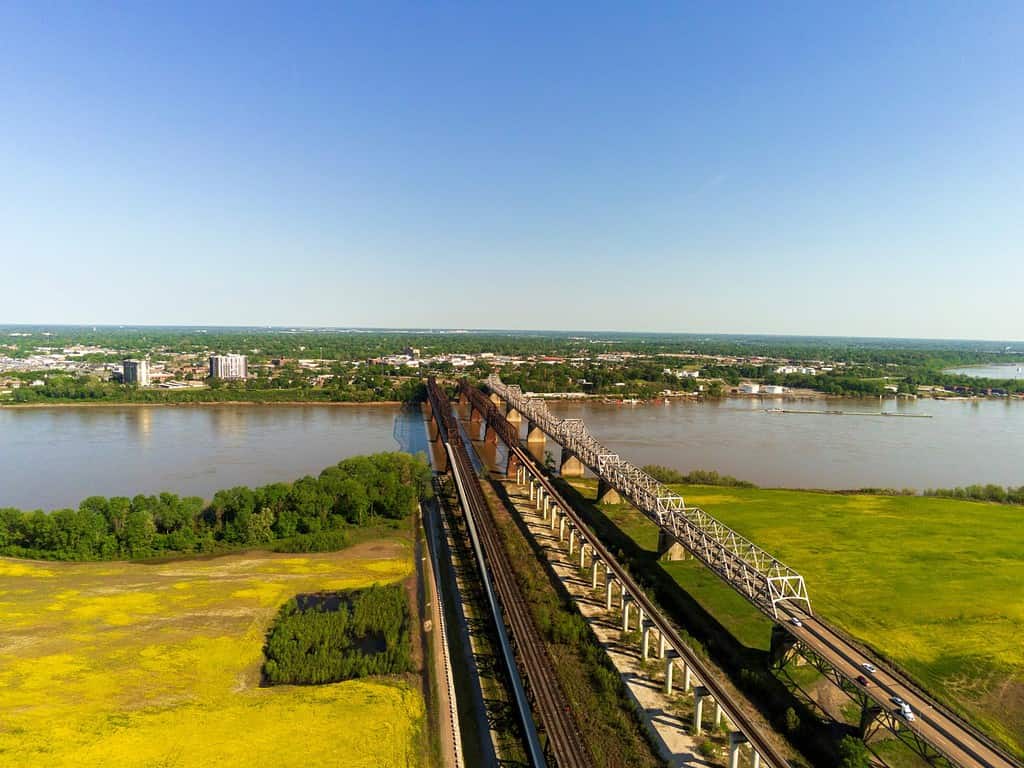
x=799, y=170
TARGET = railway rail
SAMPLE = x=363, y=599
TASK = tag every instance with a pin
x=566, y=743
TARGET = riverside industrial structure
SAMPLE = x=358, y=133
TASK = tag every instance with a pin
x=936, y=734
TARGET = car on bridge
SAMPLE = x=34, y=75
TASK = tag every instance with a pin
x=863, y=681
x=869, y=668
x=795, y=621
x=907, y=712
x=897, y=701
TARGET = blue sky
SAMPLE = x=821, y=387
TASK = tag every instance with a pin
x=771, y=168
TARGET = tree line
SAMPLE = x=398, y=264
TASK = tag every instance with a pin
x=330, y=638
x=312, y=513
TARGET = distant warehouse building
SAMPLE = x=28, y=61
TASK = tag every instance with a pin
x=135, y=372
x=749, y=388
x=228, y=367
x=772, y=389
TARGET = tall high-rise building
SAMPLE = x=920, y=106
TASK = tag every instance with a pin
x=136, y=372
x=228, y=367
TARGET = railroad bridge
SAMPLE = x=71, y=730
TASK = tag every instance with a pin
x=936, y=733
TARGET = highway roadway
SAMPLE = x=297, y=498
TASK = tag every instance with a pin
x=942, y=730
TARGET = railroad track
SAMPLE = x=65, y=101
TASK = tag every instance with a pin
x=566, y=743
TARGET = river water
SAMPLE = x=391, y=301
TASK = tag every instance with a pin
x=54, y=457
x=965, y=441
x=999, y=371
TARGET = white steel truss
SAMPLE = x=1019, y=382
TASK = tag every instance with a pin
x=754, y=573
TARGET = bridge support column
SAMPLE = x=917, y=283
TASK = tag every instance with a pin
x=699, y=693
x=583, y=555
x=554, y=518
x=781, y=646
x=561, y=529
x=606, y=494
x=736, y=739
x=547, y=505
x=571, y=466
x=572, y=539
x=687, y=677
x=533, y=490
x=718, y=713
x=593, y=572
x=625, y=613
x=757, y=758
x=490, y=436
x=498, y=402
x=608, y=593
x=662, y=645
x=645, y=639
x=670, y=665
x=669, y=547
x=540, y=497
x=869, y=713
x=534, y=435
x=514, y=416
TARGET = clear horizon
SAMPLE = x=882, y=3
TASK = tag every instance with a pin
x=458, y=330
x=712, y=169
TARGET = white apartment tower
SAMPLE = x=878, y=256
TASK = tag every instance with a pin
x=136, y=372
x=228, y=367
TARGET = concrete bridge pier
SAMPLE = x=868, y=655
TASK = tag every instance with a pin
x=490, y=436
x=593, y=572
x=645, y=638
x=687, y=677
x=662, y=645
x=561, y=529
x=736, y=740
x=547, y=506
x=533, y=489
x=669, y=547
x=610, y=582
x=626, y=605
x=534, y=434
x=718, y=714
x=606, y=494
x=571, y=466
x=554, y=518
x=699, y=694
x=498, y=402
x=572, y=539
x=514, y=416
x=583, y=555
x=670, y=665
x=757, y=758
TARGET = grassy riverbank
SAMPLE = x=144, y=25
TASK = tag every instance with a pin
x=143, y=664
x=934, y=584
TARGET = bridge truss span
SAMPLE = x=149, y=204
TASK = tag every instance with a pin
x=756, y=574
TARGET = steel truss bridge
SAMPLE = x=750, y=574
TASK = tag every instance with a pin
x=757, y=575
x=937, y=734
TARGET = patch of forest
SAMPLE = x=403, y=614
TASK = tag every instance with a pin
x=310, y=514
x=327, y=638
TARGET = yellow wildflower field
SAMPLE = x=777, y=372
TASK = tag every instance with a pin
x=158, y=665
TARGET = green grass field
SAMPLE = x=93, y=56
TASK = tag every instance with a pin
x=158, y=665
x=936, y=585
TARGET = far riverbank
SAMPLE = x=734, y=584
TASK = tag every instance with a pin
x=136, y=404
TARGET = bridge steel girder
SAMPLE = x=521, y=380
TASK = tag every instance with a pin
x=757, y=575
x=873, y=716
